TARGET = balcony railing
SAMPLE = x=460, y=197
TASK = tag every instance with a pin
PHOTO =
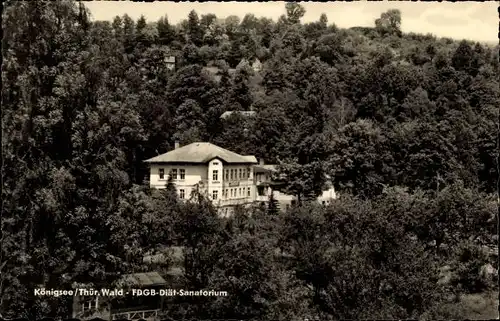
x=136, y=315
x=234, y=201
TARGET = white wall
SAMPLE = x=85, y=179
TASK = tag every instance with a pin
x=193, y=175
x=327, y=195
x=204, y=172
x=238, y=183
x=215, y=185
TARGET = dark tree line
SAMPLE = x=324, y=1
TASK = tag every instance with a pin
x=405, y=124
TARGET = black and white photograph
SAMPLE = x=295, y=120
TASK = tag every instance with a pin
x=263, y=161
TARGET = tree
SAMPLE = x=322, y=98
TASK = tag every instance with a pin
x=140, y=30
x=194, y=29
x=463, y=57
x=128, y=33
x=166, y=33
x=323, y=20
x=240, y=97
x=406, y=124
x=231, y=24
x=293, y=41
x=249, y=23
x=236, y=135
x=207, y=21
x=294, y=12
x=198, y=227
x=118, y=27
x=358, y=162
x=191, y=54
x=235, y=54
x=389, y=23
x=34, y=123
x=265, y=30
x=328, y=48
x=189, y=119
x=273, y=205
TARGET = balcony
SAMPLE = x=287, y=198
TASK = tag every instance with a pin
x=148, y=315
x=234, y=201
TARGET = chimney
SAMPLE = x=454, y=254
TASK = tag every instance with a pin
x=261, y=161
x=176, y=144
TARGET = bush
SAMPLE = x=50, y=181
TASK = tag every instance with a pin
x=470, y=258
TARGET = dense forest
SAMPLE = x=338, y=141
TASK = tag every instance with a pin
x=406, y=125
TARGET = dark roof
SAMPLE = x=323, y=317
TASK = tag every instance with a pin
x=201, y=153
x=143, y=279
x=264, y=168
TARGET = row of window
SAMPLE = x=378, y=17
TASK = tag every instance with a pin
x=240, y=173
x=173, y=172
x=234, y=192
x=232, y=174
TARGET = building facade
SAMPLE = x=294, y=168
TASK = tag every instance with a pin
x=119, y=304
x=227, y=178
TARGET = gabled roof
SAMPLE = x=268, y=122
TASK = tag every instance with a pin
x=201, y=153
x=142, y=279
x=244, y=113
x=256, y=63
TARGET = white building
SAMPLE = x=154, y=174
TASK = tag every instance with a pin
x=225, y=176
x=229, y=179
x=170, y=62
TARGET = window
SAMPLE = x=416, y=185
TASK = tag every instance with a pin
x=231, y=192
x=231, y=174
x=215, y=175
x=215, y=163
x=182, y=194
x=89, y=304
x=248, y=172
x=225, y=193
x=227, y=174
x=240, y=176
x=174, y=173
x=183, y=173
x=215, y=194
x=248, y=191
x=239, y=191
x=161, y=171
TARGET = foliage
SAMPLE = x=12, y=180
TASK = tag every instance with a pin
x=389, y=22
x=404, y=125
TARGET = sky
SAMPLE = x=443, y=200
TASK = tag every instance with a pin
x=476, y=21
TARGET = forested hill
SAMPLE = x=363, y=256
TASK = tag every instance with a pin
x=84, y=103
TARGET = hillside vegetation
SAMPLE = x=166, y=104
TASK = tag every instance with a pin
x=405, y=124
